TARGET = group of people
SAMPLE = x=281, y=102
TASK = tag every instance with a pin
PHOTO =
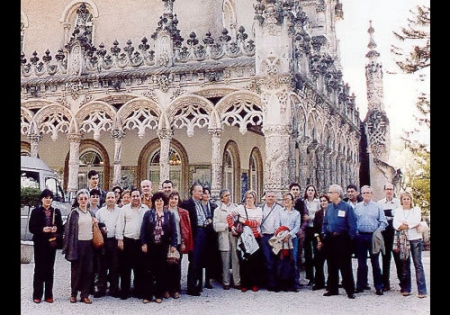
x=274, y=243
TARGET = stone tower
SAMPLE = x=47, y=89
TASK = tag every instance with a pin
x=377, y=124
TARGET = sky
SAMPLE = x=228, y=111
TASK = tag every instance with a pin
x=400, y=91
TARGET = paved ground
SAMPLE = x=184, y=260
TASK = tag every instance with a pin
x=217, y=301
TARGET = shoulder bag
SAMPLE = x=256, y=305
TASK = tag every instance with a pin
x=238, y=225
x=97, y=236
x=56, y=241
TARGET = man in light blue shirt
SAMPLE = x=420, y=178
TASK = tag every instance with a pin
x=369, y=217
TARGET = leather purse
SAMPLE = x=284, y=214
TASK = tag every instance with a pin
x=97, y=238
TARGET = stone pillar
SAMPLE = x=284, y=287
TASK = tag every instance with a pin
x=277, y=156
x=327, y=172
x=165, y=136
x=34, y=139
x=216, y=163
x=320, y=172
x=312, y=163
x=74, y=160
x=303, y=165
x=117, y=134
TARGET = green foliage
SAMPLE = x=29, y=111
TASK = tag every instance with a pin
x=30, y=196
x=413, y=61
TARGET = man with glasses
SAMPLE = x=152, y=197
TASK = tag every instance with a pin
x=389, y=204
x=339, y=231
x=370, y=219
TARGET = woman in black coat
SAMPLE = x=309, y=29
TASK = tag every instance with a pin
x=45, y=223
x=158, y=234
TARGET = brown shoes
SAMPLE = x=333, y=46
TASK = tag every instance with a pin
x=404, y=293
x=166, y=295
x=73, y=299
x=176, y=295
x=49, y=300
x=86, y=300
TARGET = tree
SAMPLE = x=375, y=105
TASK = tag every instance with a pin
x=415, y=60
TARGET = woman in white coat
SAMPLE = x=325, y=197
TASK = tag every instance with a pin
x=226, y=241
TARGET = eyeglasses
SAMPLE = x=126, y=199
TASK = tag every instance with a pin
x=366, y=193
x=389, y=189
x=311, y=190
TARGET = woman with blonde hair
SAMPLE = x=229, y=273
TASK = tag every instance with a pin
x=250, y=215
x=406, y=219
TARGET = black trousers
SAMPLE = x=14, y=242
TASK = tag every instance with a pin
x=339, y=255
x=133, y=260
x=44, y=262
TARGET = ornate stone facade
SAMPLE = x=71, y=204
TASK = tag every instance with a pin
x=235, y=94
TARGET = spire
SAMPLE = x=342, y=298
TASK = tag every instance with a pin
x=374, y=75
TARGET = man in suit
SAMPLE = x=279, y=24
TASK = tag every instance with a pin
x=199, y=223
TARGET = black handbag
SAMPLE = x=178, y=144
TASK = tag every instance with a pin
x=239, y=226
x=56, y=241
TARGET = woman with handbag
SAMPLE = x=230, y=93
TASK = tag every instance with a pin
x=47, y=227
x=250, y=215
x=78, y=247
x=185, y=243
x=406, y=218
x=158, y=237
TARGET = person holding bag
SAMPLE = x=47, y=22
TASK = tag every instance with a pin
x=406, y=218
x=45, y=224
x=251, y=215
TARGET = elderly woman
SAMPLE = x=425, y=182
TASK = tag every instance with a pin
x=78, y=247
x=45, y=223
x=226, y=240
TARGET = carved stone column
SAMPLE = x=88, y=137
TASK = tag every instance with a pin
x=312, y=163
x=165, y=136
x=303, y=165
x=333, y=165
x=117, y=134
x=327, y=172
x=320, y=172
x=216, y=163
x=74, y=161
x=277, y=156
x=34, y=139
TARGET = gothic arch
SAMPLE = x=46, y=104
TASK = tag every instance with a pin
x=229, y=20
x=140, y=114
x=192, y=111
x=72, y=8
x=89, y=144
x=149, y=149
x=52, y=119
x=257, y=156
x=232, y=147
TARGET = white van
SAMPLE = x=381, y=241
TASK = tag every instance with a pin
x=36, y=173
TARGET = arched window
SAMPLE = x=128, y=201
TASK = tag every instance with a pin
x=175, y=165
x=89, y=160
x=228, y=174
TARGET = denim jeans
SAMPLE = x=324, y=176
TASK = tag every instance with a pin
x=416, y=254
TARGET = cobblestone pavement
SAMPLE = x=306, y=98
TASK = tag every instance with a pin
x=218, y=301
